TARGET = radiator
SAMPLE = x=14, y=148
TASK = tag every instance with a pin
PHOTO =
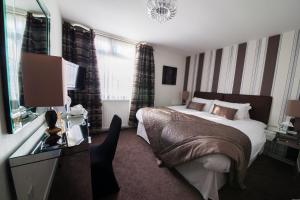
x=110, y=108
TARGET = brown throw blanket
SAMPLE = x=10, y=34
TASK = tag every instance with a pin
x=177, y=138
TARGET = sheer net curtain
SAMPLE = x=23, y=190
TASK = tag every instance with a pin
x=15, y=24
x=116, y=67
x=116, y=71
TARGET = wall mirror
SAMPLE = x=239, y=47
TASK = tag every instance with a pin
x=26, y=29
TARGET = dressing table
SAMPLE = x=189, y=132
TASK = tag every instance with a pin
x=61, y=171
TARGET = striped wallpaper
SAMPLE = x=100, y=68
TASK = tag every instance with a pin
x=267, y=66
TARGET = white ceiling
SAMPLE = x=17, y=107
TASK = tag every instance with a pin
x=199, y=24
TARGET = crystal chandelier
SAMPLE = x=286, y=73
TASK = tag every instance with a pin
x=161, y=10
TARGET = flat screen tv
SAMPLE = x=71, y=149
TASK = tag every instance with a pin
x=169, y=75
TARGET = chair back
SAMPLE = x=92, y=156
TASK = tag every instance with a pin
x=111, y=141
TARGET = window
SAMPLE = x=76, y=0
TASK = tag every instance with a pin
x=116, y=68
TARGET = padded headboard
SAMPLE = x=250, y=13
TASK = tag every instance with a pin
x=209, y=95
x=261, y=105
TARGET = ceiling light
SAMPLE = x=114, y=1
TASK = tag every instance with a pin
x=161, y=10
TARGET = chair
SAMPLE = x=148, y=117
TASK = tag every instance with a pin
x=102, y=155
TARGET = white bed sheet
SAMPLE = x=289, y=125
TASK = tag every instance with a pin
x=207, y=173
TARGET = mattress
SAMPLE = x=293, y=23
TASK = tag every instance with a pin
x=207, y=173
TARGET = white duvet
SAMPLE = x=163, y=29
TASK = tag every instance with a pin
x=220, y=163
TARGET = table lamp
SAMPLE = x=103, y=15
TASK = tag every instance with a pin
x=293, y=110
x=185, y=96
x=44, y=85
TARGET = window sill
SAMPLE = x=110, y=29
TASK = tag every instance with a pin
x=108, y=100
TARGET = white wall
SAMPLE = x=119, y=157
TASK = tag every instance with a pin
x=56, y=27
x=10, y=142
x=168, y=94
x=110, y=108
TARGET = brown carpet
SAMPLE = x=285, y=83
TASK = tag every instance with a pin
x=140, y=178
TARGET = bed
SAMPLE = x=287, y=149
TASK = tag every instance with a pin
x=208, y=173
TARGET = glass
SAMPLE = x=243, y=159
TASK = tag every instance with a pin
x=27, y=25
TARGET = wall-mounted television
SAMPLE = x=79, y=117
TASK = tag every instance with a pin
x=169, y=75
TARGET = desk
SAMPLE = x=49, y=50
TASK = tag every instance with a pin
x=53, y=173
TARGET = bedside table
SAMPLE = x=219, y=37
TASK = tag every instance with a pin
x=283, y=147
x=270, y=135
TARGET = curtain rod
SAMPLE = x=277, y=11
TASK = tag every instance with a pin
x=82, y=26
x=16, y=11
x=21, y=12
x=108, y=35
x=115, y=37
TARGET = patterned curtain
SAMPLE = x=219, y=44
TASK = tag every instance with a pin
x=79, y=48
x=143, y=86
x=35, y=40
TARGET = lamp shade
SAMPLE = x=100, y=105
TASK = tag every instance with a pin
x=293, y=108
x=44, y=82
x=185, y=95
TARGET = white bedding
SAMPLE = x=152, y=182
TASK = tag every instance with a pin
x=210, y=169
x=252, y=128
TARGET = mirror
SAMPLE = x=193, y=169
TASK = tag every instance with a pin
x=27, y=29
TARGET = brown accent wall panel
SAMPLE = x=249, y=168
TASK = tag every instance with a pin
x=270, y=64
x=200, y=70
x=239, y=68
x=217, y=70
x=187, y=70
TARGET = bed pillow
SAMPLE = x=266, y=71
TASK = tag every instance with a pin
x=225, y=112
x=208, y=103
x=242, y=108
x=195, y=106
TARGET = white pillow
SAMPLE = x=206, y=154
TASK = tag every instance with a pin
x=208, y=103
x=242, y=108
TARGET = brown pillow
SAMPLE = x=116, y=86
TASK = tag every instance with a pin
x=195, y=106
x=226, y=112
